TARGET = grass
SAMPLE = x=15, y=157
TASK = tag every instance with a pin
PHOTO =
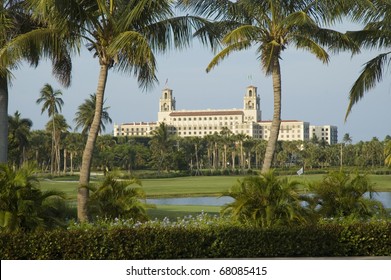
x=197, y=185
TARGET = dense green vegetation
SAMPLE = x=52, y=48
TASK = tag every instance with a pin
x=198, y=238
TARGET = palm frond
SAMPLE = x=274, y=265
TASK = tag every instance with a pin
x=134, y=54
x=226, y=52
x=311, y=46
x=371, y=74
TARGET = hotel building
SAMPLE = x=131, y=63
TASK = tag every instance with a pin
x=187, y=123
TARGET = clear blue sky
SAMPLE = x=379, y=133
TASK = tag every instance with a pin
x=311, y=91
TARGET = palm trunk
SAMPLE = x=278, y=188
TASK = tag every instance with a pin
x=275, y=128
x=83, y=192
x=3, y=120
x=71, y=155
x=65, y=161
x=52, y=162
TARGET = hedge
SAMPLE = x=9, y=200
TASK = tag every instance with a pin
x=216, y=241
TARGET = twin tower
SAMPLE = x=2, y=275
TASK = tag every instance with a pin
x=250, y=113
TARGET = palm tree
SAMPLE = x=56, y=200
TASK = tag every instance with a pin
x=161, y=147
x=342, y=195
x=265, y=201
x=52, y=103
x=118, y=199
x=59, y=126
x=15, y=21
x=9, y=12
x=123, y=35
x=85, y=115
x=18, y=137
x=272, y=26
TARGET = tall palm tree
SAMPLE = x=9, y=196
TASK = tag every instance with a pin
x=59, y=126
x=18, y=137
x=85, y=115
x=15, y=20
x=272, y=26
x=123, y=35
x=52, y=103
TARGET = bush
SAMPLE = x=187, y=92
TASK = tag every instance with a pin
x=199, y=237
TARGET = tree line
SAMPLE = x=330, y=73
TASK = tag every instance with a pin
x=221, y=153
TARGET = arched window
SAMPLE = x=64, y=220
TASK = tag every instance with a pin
x=250, y=93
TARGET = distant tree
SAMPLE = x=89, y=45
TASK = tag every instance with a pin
x=60, y=128
x=161, y=147
x=85, y=115
x=52, y=103
x=347, y=139
x=18, y=137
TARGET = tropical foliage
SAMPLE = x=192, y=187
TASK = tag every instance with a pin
x=118, y=199
x=23, y=206
x=266, y=201
x=341, y=195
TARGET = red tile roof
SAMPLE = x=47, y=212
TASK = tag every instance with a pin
x=205, y=113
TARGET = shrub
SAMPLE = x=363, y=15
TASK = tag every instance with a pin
x=198, y=237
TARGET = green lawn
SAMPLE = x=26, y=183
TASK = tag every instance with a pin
x=197, y=185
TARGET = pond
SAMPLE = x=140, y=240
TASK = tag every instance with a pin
x=383, y=197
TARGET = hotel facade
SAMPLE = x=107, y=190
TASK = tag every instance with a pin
x=247, y=121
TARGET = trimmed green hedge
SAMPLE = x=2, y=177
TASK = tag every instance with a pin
x=221, y=241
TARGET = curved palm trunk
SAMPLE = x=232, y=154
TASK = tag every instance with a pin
x=275, y=128
x=3, y=120
x=83, y=192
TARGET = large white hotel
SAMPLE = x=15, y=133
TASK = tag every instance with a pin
x=248, y=121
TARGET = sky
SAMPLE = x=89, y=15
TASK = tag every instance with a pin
x=311, y=91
